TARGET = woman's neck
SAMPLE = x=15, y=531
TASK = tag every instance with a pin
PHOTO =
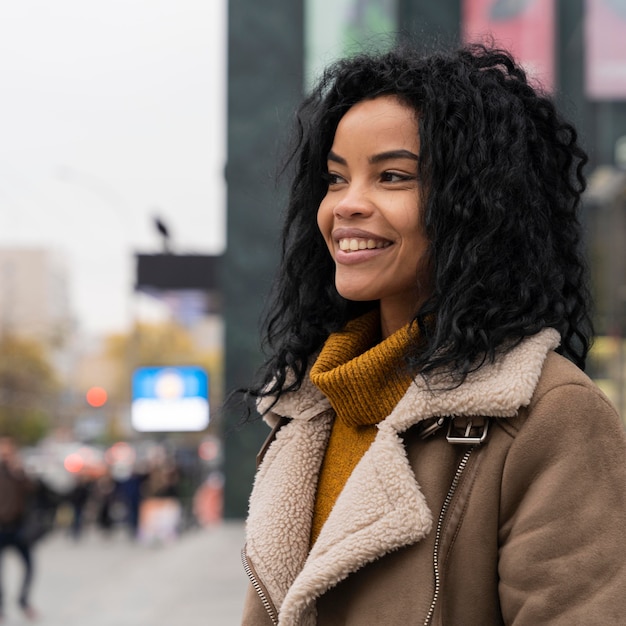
x=393, y=319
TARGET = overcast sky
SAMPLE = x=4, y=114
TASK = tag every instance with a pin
x=111, y=111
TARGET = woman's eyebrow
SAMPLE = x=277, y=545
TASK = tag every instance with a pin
x=393, y=154
x=332, y=156
x=377, y=158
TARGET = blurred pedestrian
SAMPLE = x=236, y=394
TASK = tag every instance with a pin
x=105, y=496
x=78, y=498
x=15, y=489
x=131, y=493
x=438, y=455
x=208, y=500
x=161, y=511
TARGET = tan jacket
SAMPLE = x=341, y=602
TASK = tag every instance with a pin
x=527, y=528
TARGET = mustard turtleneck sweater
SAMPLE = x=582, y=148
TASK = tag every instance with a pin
x=363, y=379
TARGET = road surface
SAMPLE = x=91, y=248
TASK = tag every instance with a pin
x=197, y=580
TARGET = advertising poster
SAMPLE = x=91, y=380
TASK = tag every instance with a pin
x=338, y=28
x=524, y=27
x=170, y=399
x=605, y=49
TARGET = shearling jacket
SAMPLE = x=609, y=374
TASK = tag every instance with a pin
x=527, y=527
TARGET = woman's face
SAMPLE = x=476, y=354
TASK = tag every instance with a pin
x=370, y=216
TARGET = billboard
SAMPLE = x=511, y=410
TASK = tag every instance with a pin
x=523, y=27
x=605, y=49
x=355, y=25
x=170, y=399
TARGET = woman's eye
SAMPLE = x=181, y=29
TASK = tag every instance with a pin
x=395, y=177
x=333, y=179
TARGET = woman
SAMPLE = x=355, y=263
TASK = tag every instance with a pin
x=437, y=454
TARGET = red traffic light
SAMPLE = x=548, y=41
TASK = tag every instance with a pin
x=96, y=397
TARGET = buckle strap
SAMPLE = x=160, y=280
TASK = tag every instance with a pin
x=467, y=430
x=430, y=426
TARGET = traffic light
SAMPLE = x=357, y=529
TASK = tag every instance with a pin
x=96, y=397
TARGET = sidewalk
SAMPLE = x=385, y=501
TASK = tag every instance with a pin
x=196, y=581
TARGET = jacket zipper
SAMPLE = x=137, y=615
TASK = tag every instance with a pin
x=444, y=509
x=258, y=588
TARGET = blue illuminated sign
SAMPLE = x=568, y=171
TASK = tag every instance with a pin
x=170, y=399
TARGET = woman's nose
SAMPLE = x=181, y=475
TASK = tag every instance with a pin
x=353, y=203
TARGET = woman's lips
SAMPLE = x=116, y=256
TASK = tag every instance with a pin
x=353, y=250
x=353, y=244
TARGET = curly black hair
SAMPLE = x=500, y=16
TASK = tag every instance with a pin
x=502, y=174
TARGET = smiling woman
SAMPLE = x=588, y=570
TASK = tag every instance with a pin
x=433, y=433
x=370, y=216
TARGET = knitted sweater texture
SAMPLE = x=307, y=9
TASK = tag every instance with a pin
x=363, y=379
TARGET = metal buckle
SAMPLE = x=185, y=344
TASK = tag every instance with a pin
x=430, y=427
x=473, y=430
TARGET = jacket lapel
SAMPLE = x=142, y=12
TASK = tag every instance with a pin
x=281, y=503
x=381, y=508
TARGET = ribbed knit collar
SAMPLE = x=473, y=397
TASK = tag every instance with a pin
x=363, y=377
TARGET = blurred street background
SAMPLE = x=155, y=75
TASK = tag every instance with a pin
x=139, y=221
x=196, y=581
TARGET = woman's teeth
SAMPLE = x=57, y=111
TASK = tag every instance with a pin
x=350, y=245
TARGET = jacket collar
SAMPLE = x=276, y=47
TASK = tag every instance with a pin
x=497, y=389
x=381, y=507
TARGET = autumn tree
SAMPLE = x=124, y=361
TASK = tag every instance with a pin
x=29, y=389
